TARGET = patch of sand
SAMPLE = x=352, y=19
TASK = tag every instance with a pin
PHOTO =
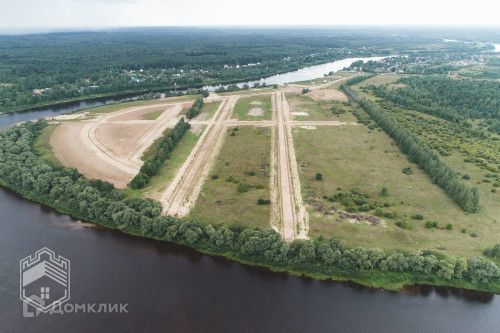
x=255, y=112
x=327, y=95
x=308, y=127
x=255, y=103
x=304, y=114
x=67, y=145
x=120, y=138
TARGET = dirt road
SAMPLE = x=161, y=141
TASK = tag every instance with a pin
x=294, y=221
x=181, y=194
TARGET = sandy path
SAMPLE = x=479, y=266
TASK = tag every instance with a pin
x=294, y=218
x=165, y=120
x=130, y=163
x=181, y=194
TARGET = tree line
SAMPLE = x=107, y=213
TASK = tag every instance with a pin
x=160, y=153
x=195, y=109
x=23, y=170
x=418, y=152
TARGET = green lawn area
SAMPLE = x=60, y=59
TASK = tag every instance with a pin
x=245, y=104
x=169, y=169
x=243, y=159
x=355, y=157
x=42, y=144
x=316, y=110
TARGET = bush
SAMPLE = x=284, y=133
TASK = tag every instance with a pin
x=263, y=202
x=319, y=176
x=449, y=226
x=466, y=176
x=305, y=90
x=404, y=224
x=493, y=252
x=417, y=217
x=431, y=224
x=214, y=177
x=243, y=187
x=384, y=192
x=407, y=171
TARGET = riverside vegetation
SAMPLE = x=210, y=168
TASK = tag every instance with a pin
x=23, y=169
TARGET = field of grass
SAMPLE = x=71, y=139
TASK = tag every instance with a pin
x=318, y=110
x=356, y=157
x=42, y=144
x=244, y=160
x=245, y=104
x=169, y=169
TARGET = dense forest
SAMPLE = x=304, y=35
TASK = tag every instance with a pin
x=43, y=68
x=446, y=98
x=23, y=170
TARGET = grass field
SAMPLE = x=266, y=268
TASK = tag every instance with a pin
x=318, y=110
x=245, y=104
x=355, y=157
x=169, y=169
x=244, y=159
x=42, y=144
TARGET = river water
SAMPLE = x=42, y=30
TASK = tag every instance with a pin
x=169, y=287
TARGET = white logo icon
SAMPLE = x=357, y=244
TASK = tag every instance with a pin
x=44, y=280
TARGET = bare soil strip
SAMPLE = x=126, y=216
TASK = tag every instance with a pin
x=294, y=218
x=181, y=194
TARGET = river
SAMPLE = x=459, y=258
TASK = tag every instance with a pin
x=169, y=287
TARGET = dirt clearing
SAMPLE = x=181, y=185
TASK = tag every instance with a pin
x=327, y=95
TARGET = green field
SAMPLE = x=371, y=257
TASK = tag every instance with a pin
x=356, y=157
x=245, y=104
x=243, y=159
x=42, y=145
x=318, y=110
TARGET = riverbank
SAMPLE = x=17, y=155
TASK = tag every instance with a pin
x=278, y=77
x=376, y=279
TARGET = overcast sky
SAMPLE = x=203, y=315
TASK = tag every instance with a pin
x=16, y=14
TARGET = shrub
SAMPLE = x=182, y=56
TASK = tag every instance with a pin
x=404, y=224
x=473, y=234
x=466, y=176
x=493, y=252
x=384, y=192
x=429, y=224
x=463, y=230
x=417, y=216
x=407, y=171
x=214, y=177
x=306, y=90
x=263, y=202
x=319, y=176
x=243, y=187
x=449, y=226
